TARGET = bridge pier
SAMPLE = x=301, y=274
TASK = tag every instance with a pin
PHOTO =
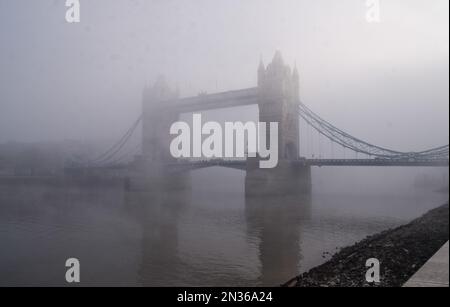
x=286, y=179
x=156, y=177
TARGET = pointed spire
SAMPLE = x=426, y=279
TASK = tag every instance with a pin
x=261, y=66
x=261, y=72
x=277, y=67
x=295, y=73
x=278, y=59
x=296, y=81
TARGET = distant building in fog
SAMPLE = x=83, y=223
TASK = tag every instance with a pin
x=38, y=159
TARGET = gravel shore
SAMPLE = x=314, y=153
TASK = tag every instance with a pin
x=401, y=252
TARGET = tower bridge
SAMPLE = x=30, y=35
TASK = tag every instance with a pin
x=277, y=96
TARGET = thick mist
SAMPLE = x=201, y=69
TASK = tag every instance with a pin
x=385, y=82
x=73, y=184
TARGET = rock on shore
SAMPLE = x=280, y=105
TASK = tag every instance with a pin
x=401, y=252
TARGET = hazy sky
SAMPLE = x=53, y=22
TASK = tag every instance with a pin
x=384, y=82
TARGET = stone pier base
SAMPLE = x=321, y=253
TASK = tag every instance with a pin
x=285, y=179
x=156, y=178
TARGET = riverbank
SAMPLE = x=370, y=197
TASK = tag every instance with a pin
x=401, y=252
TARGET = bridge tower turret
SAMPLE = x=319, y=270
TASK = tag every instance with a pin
x=278, y=89
x=156, y=121
x=278, y=101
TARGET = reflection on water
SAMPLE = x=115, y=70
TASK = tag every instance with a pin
x=209, y=235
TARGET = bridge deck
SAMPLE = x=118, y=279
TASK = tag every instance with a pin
x=373, y=162
x=241, y=164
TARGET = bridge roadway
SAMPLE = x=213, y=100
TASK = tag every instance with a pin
x=374, y=162
x=242, y=164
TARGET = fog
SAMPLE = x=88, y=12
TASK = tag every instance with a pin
x=72, y=90
x=384, y=82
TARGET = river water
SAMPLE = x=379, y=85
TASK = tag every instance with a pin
x=210, y=235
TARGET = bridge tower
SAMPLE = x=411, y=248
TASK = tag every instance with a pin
x=156, y=121
x=278, y=88
x=158, y=116
x=278, y=101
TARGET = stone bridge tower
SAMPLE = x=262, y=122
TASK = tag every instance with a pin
x=278, y=101
x=157, y=118
x=159, y=114
x=278, y=88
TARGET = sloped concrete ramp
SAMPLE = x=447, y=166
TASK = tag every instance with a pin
x=434, y=273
